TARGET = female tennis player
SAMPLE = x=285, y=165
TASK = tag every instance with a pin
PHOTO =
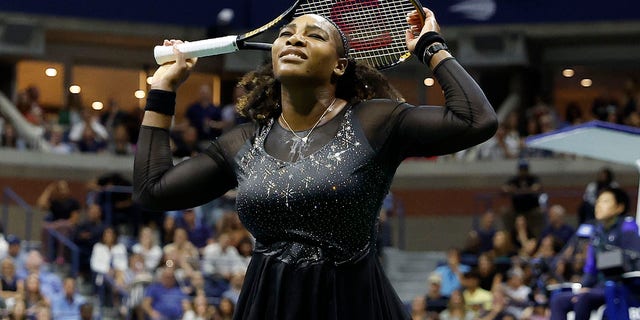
x=314, y=165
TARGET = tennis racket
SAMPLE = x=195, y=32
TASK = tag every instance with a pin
x=375, y=29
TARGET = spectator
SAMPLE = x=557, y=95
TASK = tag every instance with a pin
x=182, y=252
x=230, y=224
x=451, y=272
x=548, y=249
x=502, y=251
x=204, y=116
x=486, y=229
x=33, y=297
x=418, y=309
x=522, y=234
x=90, y=142
x=108, y=261
x=195, y=285
x=198, y=233
x=9, y=138
x=221, y=259
x=80, y=130
x=434, y=301
x=168, y=229
x=186, y=143
x=539, y=311
x=226, y=308
x=35, y=114
x=557, y=226
x=456, y=309
x=58, y=143
x=505, y=144
x=67, y=306
x=489, y=277
x=516, y=293
x=604, y=179
x=524, y=190
x=58, y=201
x=613, y=229
x=471, y=249
x=87, y=234
x=230, y=115
x=34, y=300
x=49, y=283
x=108, y=256
x=119, y=209
x=120, y=142
x=476, y=299
x=233, y=293
x=16, y=253
x=113, y=117
x=86, y=311
x=148, y=249
x=70, y=115
x=497, y=310
x=10, y=285
x=135, y=280
x=200, y=309
x=63, y=214
x=163, y=299
x=573, y=115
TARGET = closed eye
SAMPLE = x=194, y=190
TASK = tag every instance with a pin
x=316, y=36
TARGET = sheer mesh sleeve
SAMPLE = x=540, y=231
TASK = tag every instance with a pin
x=159, y=185
x=399, y=130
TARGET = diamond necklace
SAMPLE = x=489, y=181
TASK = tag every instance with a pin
x=305, y=139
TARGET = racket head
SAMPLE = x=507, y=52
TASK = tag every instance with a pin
x=375, y=29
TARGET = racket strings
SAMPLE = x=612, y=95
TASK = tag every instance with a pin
x=375, y=28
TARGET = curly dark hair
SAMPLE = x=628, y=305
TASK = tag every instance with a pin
x=262, y=99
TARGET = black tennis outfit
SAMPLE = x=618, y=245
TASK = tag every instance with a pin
x=314, y=214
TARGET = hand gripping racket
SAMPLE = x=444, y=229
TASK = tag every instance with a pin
x=375, y=29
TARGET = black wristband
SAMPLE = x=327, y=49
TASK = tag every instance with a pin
x=424, y=42
x=161, y=101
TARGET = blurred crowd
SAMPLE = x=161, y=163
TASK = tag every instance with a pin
x=114, y=129
x=520, y=258
x=133, y=264
x=76, y=128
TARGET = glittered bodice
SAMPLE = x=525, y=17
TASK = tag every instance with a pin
x=321, y=207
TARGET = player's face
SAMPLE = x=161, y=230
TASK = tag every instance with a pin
x=306, y=49
x=607, y=207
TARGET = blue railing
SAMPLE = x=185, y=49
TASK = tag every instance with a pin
x=10, y=195
x=73, y=248
x=7, y=195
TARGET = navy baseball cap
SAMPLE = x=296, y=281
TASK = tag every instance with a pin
x=13, y=239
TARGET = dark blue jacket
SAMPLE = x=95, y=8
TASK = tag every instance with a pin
x=623, y=234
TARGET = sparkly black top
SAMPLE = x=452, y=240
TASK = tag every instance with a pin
x=321, y=204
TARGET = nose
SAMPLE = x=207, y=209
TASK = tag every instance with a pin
x=295, y=40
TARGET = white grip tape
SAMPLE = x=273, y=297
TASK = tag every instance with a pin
x=201, y=48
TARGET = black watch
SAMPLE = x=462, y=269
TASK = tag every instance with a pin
x=432, y=50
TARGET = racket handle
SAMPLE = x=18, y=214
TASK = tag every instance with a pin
x=201, y=48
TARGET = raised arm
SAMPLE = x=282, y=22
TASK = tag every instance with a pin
x=466, y=119
x=157, y=183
